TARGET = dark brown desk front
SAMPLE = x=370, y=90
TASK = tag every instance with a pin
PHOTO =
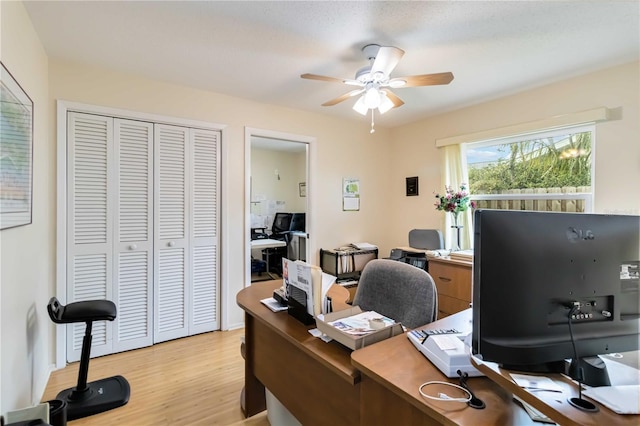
x=314, y=380
x=325, y=383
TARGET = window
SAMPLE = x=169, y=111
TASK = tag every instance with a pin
x=547, y=171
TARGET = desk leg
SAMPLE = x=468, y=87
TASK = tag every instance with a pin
x=252, y=400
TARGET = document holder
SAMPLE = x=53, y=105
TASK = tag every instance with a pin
x=297, y=306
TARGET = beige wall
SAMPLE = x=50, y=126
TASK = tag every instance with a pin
x=617, y=149
x=27, y=253
x=267, y=186
x=343, y=149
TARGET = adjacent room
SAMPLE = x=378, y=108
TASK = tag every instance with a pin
x=165, y=164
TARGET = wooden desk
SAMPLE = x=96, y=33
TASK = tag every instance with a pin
x=393, y=370
x=554, y=405
x=314, y=380
x=266, y=243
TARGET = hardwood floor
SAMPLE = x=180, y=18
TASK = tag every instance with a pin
x=190, y=381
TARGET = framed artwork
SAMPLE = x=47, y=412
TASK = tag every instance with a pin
x=302, y=187
x=16, y=152
x=412, y=186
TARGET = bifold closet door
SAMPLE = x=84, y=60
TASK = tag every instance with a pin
x=204, y=232
x=90, y=224
x=133, y=230
x=186, y=240
x=109, y=240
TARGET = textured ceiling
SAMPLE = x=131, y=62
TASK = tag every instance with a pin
x=257, y=50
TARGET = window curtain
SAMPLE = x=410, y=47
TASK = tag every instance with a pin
x=454, y=173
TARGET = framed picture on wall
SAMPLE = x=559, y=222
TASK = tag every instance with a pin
x=412, y=186
x=16, y=152
x=302, y=188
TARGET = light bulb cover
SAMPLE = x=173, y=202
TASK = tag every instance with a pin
x=385, y=103
x=360, y=107
x=372, y=98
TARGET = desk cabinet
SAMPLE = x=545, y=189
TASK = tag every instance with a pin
x=453, y=281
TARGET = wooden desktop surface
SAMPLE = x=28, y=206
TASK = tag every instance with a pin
x=393, y=370
x=553, y=404
x=313, y=379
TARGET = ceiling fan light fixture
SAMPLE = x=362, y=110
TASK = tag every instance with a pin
x=372, y=97
x=395, y=83
x=360, y=107
x=385, y=103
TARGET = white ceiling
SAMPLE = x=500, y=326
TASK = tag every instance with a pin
x=257, y=50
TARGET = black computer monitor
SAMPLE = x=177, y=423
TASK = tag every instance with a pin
x=298, y=222
x=532, y=269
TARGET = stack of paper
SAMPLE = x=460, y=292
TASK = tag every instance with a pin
x=623, y=399
x=359, y=324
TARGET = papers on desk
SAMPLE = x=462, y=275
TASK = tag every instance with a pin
x=273, y=304
x=365, y=246
x=359, y=324
x=536, y=383
x=308, y=283
x=620, y=399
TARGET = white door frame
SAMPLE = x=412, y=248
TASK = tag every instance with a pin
x=249, y=132
x=61, y=186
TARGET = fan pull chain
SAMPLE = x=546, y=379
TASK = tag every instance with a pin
x=372, y=123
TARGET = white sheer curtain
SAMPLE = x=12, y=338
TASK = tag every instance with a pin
x=454, y=173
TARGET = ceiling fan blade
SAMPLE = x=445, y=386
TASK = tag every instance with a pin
x=343, y=97
x=321, y=78
x=393, y=98
x=422, y=80
x=331, y=79
x=386, y=59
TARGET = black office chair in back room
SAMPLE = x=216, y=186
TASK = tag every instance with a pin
x=280, y=226
x=86, y=399
x=399, y=291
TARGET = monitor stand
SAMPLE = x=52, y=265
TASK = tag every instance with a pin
x=594, y=371
x=591, y=371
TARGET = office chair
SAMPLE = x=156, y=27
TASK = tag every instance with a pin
x=426, y=239
x=281, y=226
x=399, y=291
x=86, y=399
x=279, y=231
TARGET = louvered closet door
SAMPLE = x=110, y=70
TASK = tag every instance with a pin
x=133, y=260
x=89, y=227
x=204, y=230
x=172, y=259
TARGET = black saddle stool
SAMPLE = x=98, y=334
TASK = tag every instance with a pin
x=101, y=395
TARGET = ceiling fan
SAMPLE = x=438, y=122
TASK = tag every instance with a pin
x=375, y=83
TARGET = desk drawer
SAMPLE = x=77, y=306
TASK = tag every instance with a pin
x=451, y=280
x=450, y=305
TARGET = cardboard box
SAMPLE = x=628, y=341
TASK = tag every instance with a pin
x=349, y=340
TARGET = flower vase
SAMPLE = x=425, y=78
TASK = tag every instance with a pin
x=457, y=227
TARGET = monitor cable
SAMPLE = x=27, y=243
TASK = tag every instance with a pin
x=474, y=402
x=579, y=403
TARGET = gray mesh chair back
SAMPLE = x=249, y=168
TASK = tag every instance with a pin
x=399, y=291
x=426, y=239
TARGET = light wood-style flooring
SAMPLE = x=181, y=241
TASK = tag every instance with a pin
x=190, y=381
